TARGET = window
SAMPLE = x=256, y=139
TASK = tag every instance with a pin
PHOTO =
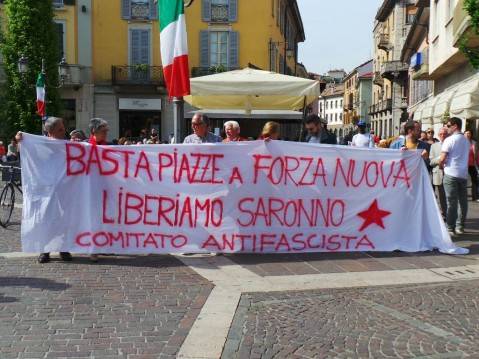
x=326, y=102
x=57, y=3
x=139, y=10
x=219, y=10
x=336, y=104
x=341, y=117
x=60, y=27
x=219, y=48
x=341, y=105
x=335, y=117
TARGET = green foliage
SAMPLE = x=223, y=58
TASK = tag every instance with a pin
x=217, y=69
x=472, y=54
x=29, y=31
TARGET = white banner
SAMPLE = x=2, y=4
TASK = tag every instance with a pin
x=254, y=197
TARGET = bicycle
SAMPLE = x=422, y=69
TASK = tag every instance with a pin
x=10, y=175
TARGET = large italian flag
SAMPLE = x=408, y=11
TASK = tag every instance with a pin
x=174, y=47
x=41, y=94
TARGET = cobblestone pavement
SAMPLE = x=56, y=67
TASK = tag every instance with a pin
x=427, y=321
x=121, y=307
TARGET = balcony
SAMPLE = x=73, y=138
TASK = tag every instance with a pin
x=383, y=42
x=421, y=69
x=377, y=79
x=381, y=106
x=137, y=75
x=372, y=109
x=77, y=76
x=204, y=71
x=394, y=69
x=462, y=27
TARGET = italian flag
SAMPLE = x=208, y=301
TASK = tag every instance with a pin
x=41, y=94
x=174, y=47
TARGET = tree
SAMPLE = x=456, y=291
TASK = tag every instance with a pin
x=29, y=31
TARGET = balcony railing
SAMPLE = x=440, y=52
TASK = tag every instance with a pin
x=137, y=75
x=383, y=42
x=77, y=75
x=381, y=106
x=203, y=71
x=372, y=109
x=394, y=69
x=140, y=10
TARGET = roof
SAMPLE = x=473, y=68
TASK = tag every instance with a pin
x=337, y=90
x=362, y=70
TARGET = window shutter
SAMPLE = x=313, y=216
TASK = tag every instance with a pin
x=233, y=49
x=153, y=10
x=204, y=48
x=206, y=10
x=233, y=10
x=68, y=2
x=145, y=47
x=135, y=47
x=126, y=9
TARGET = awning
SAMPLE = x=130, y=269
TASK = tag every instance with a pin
x=465, y=103
x=250, y=89
x=417, y=109
x=255, y=114
x=442, y=104
x=427, y=111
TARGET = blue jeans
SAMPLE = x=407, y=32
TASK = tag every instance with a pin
x=456, y=191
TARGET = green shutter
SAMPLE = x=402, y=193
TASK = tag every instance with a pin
x=233, y=10
x=204, y=48
x=233, y=49
x=206, y=10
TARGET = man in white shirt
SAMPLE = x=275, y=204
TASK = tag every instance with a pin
x=454, y=160
x=361, y=139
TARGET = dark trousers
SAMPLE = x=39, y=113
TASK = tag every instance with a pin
x=441, y=194
x=473, y=173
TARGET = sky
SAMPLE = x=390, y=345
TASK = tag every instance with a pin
x=338, y=33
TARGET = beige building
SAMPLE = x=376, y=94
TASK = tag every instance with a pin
x=456, y=83
x=416, y=53
x=390, y=90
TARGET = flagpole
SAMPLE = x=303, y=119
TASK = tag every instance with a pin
x=179, y=118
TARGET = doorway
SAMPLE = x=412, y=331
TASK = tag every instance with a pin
x=133, y=122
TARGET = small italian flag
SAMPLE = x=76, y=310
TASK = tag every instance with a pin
x=41, y=94
x=174, y=47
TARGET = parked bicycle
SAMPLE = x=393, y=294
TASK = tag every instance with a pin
x=11, y=175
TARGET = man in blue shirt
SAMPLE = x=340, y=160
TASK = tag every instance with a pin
x=201, y=125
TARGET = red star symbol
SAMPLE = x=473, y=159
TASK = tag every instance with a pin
x=373, y=215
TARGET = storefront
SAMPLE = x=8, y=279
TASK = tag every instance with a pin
x=137, y=114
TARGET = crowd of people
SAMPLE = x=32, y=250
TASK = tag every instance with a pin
x=450, y=158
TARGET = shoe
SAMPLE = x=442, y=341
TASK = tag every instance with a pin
x=94, y=258
x=44, y=258
x=66, y=256
x=451, y=233
x=459, y=231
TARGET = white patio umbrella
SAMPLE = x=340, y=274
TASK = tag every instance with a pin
x=251, y=89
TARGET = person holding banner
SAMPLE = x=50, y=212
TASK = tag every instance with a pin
x=454, y=160
x=200, y=125
x=98, y=131
x=411, y=141
x=270, y=131
x=232, y=130
x=55, y=130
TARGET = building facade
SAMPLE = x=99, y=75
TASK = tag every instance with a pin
x=456, y=83
x=331, y=108
x=415, y=52
x=390, y=89
x=113, y=51
x=357, y=95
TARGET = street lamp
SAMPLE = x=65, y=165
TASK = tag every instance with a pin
x=22, y=65
x=63, y=69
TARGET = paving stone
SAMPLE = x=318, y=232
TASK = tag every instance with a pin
x=428, y=320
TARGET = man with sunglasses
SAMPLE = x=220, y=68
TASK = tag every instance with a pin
x=201, y=134
x=454, y=160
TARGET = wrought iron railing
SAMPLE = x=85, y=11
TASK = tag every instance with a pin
x=137, y=75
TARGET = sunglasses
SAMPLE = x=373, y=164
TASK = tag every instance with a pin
x=448, y=125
